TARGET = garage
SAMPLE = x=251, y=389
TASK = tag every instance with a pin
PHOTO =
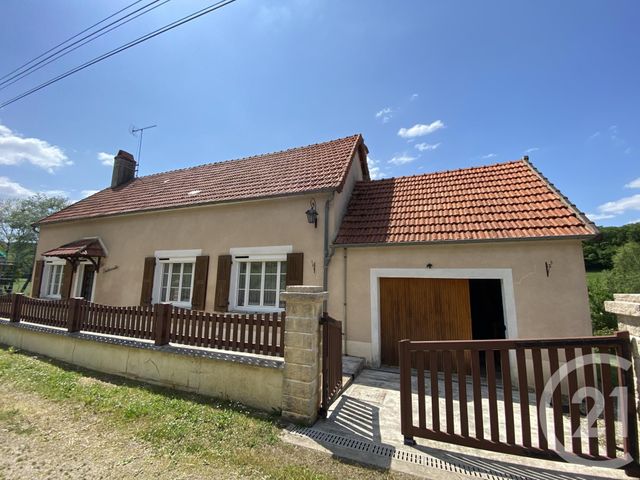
x=438, y=309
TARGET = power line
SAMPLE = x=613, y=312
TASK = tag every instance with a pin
x=126, y=46
x=91, y=37
x=71, y=38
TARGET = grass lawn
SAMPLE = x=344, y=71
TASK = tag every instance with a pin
x=57, y=421
x=593, y=275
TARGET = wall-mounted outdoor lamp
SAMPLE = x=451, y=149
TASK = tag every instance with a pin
x=312, y=213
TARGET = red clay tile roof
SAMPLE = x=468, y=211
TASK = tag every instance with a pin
x=504, y=201
x=87, y=247
x=314, y=168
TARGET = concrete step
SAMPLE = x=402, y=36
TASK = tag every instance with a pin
x=627, y=297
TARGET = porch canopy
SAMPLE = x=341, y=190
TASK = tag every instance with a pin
x=90, y=249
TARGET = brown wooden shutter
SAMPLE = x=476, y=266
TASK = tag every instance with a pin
x=223, y=281
x=36, y=285
x=200, y=276
x=147, y=281
x=67, y=278
x=295, y=267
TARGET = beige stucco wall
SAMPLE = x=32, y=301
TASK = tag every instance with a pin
x=214, y=229
x=553, y=306
x=341, y=200
x=256, y=386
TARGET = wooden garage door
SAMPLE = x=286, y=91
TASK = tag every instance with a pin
x=422, y=309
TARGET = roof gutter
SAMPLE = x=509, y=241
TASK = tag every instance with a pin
x=458, y=242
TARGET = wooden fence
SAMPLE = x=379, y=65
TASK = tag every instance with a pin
x=51, y=313
x=506, y=383
x=134, y=322
x=252, y=333
x=331, y=362
x=5, y=305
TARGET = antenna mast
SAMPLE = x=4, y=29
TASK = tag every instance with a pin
x=134, y=131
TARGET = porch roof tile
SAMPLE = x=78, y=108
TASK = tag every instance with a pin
x=497, y=202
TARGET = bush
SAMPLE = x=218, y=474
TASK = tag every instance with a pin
x=600, y=289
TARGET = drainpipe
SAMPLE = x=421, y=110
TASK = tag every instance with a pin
x=328, y=252
x=344, y=306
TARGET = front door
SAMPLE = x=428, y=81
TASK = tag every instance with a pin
x=422, y=309
x=88, y=276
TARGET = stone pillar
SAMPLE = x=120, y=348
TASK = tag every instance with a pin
x=302, y=363
x=626, y=306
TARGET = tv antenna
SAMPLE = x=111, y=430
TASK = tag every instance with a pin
x=134, y=131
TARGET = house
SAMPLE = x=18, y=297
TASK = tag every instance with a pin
x=486, y=252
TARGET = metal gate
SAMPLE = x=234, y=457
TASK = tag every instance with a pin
x=331, y=362
x=520, y=404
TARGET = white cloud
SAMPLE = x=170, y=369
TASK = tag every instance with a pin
x=413, y=97
x=86, y=193
x=16, y=149
x=594, y=135
x=375, y=171
x=402, y=159
x=9, y=189
x=633, y=183
x=420, y=129
x=599, y=216
x=621, y=206
x=426, y=146
x=531, y=150
x=488, y=156
x=106, y=158
x=385, y=114
x=56, y=193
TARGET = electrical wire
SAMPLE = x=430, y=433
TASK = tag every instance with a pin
x=87, y=38
x=126, y=46
x=71, y=38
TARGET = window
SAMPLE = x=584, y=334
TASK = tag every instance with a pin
x=258, y=275
x=260, y=283
x=174, y=276
x=53, y=280
x=177, y=283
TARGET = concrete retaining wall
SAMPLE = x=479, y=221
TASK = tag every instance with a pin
x=253, y=380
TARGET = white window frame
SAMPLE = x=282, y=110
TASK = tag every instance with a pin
x=173, y=256
x=77, y=280
x=48, y=263
x=276, y=253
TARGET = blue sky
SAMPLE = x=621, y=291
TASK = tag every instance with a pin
x=430, y=85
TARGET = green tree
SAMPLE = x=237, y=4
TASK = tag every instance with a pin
x=600, y=290
x=18, y=236
x=625, y=275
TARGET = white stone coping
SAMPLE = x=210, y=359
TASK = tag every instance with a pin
x=193, y=351
x=630, y=309
x=627, y=297
x=304, y=292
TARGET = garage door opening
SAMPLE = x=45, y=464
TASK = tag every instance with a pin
x=487, y=311
x=438, y=309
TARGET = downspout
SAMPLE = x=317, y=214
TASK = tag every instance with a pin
x=344, y=305
x=328, y=252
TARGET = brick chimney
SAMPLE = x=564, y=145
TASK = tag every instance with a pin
x=124, y=169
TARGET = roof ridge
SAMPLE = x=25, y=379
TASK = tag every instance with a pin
x=250, y=157
x=441, y=172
